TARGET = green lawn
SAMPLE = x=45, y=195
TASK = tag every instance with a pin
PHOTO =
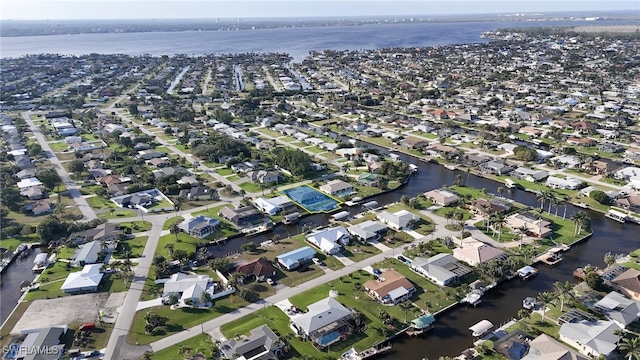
x=136, y=226
x=224, y=171
x=444, y=210
x=58, y=146
x=359, y=252
x=197, y=344
x=270, y=132
x=117, y=214
x=233, y=177
x=98, y=202
x=314, y=149
x=252, y=187
x=134, y=247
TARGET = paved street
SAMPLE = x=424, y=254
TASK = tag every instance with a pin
x=72, y=189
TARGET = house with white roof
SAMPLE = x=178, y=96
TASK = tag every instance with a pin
x=398, y=220
x=442, y=269
x=369, y=230
x=186, y=286
x=442, y=197
x=619, y=309
x=200, y=226
x=86, y=280
x=28, y=183
x=560, y=183
x=325, y=323
x=475, y=252
x=591, y=338
x=330, y=240
x=544, y=347
x=266, y=206
x=87, y=253
x=293, y=259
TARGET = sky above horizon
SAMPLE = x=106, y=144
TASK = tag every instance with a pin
x=198, y=9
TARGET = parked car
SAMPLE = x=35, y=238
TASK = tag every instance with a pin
x=317, y=262
x=270, y=281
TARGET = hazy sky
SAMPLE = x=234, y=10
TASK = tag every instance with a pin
x=172, y=9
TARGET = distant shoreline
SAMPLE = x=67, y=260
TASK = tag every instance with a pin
x=616, y=29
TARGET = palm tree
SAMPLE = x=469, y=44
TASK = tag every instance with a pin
x=609, y=259
x=541, y=196
x=563, y=290
x=545, y=298
x=524, y=313
x=565, y=199
x=175, y=229
x=170, y=248
x=405, y=305
x=580, y=218
x=500, y=222
x=632, y=346
x=522, y=231
x=500, y=190
x=551, y=197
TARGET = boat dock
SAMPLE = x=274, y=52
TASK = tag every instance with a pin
x=552, y=256
x=21, y=251
x=352, y=354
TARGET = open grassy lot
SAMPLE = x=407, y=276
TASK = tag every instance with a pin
x=136, y=226
x=233, y=177
x=224, y=171
x=131, y=248
x=117, y=213
x=358, y=252
x=13, y=242
x=59, y=146
x=98, y=202
x=252, y=187
x=270, y=132
x=167, y=224
x=200, y=344
x=444, y=210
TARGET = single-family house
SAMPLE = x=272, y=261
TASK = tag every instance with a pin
x=199, y=193
x=264, y=176
x=390, y=287
x=532, y=175
x=369, y=230
x=266, y=206
x=40, y=344
x=86, y=280
x=186, y=286
x=591, y=338
x=337, y=188
x=261, y=344
x=398, y=220
x=495, y=167
x=260, y=268
x=33, y=193
x=103, y=232
x=27, y=183
x=628, y=283
x=536, y=225
x=40, y=207
x=586, y=142
x=442, y=197
x=619, y=309
x=293, y=259
x=442, y=269
x=475, y=252
x=561, y=183
x=200, y=226
x=330, y=240
x=324, y=317
x=544, y=347
x=87, y=253
x=485, y=207
x=240, y=216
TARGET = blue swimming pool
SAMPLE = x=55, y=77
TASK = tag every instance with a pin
x=517, y=351
x=329, y=338
x=311, y=199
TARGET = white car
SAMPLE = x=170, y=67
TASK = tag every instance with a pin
x=270, y=282
x=317, y=262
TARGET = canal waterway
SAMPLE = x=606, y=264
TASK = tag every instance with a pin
x=12, y=277
x=451, y=334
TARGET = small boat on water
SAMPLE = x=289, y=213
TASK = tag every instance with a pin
x=481, y=328
x=527, y=272
x=291, y=218
x=530, y=303
x=450, y=167
x=473, y=298
x=582, y=205
x=510, y=184
x=617, y=216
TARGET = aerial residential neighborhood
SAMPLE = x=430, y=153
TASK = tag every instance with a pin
x=257, y=206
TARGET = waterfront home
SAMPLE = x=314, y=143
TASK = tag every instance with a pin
x=260, y=268
x=544, y=347
x=567, y=161
x=627, y=282
x=485, y=207
x=591, y=338
x=439, y=150
x=535, y=224
x=369, y=230
x=532, y=175
x=337, y=188
x=398, y=220
x=442, y=269
x=562, y=183
x=330, y=240
x=186, y=286
x=262, y=343
x=200, y=226
x=294, y=258
x=390, y=287
x=475, y=252
x=104, y=232
x=266, y=206
x=241, y=216
x=325, y=323
x=619, y=309
x=87, y=253
x=442, y=197
x=495, y=167
x=631, y=202
x=86, y=280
